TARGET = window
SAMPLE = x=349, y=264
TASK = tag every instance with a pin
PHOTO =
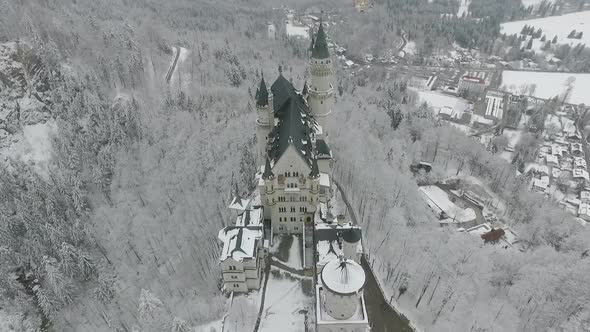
x=236, y=286
x=292, y=199
x=292, y=209
x=296, y=228
x=234, y=277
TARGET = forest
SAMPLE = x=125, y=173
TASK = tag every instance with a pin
x=120, y=234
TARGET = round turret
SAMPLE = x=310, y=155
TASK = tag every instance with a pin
x=350, y=243
x=344, y=281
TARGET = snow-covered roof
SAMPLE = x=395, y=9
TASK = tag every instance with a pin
x=250, y=218
x=344, y=277
x=238, y=203
x=324, y=180
x=239, y=243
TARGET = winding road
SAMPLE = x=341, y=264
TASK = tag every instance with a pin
x=173, y=66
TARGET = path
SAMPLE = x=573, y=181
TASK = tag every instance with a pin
x=173, y=66
x=382, y=316
x=266, y=275
x=287, y=268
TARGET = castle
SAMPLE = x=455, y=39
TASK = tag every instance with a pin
x=293, y=148
x=295, y=189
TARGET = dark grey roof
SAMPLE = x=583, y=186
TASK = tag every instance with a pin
x=322, y=147
x=262, y=94
x=268, y=174
x=315, y=170
x=320, y=46
x=352, y=235
x=294, y=121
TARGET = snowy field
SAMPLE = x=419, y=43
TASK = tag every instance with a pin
x=296, y=30
x=284, y=302
x=559, y=26
x=438, y=100
x=574, y=87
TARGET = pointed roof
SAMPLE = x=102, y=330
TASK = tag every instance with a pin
x=294, y=125
x=262, y=94
x=315, y=170
x=305, y=89
x=268, y=174
x=320, y=47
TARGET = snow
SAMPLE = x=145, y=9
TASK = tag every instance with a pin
x=284, y=301
x=441, y=200
x=297, y=30
x=549, y=85
x=559, y=26
x=438, y=101
x=410, y=48
x=535, y=3
x=344, y=280
x=463, y=8
x=238, y=251
x=33, y=146
x=295, y=254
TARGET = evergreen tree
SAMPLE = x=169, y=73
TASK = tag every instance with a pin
x=554, y=41
x=529, y=44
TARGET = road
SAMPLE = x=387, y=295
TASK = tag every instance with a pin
x=173, y=66
x=382, y=317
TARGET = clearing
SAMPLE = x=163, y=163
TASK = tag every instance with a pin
x=569, y=87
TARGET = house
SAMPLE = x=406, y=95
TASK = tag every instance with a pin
x=580, y=174
x=244, y=252
x=584, y=211
x=580, y=163
x=471, y=84
x=493, y=236
x=576, y=150
x=552, y=160
x=585, y=196
x=541, y=185
x=495, y=104
x=543, y=170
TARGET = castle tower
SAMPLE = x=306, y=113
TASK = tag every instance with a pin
x=343, y=281
x=267, y=194
x=264, y=119
x=321, y=92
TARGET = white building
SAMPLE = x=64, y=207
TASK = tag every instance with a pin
x=495, y=102
x=552, y=160
x=271, y=31
x=244, y=251
x=580, y=174
x=293, y=144
x=339, y=298
x=584, y=211
x=471, y=84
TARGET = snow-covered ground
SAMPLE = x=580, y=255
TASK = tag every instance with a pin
x=463, y=8
x=572, y=87
x=438, y=100
x=284, y=303
x=295, y=254
x=410, y=48
x=32, y=146
x=559, y=26
x=535, y=3
x=300, y=31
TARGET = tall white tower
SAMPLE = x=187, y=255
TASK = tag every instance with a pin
x=321, y=92
x=264, y=119
x=344, y=281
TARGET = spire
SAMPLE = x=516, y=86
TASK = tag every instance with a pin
x=315, y=170
x=262, y=94
x=320, y=47
x=312, y=41
x=305, y=89
x=267, y=170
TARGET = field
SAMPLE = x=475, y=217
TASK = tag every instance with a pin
x=438, y=101
x=569, y=87
x=559, y=26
